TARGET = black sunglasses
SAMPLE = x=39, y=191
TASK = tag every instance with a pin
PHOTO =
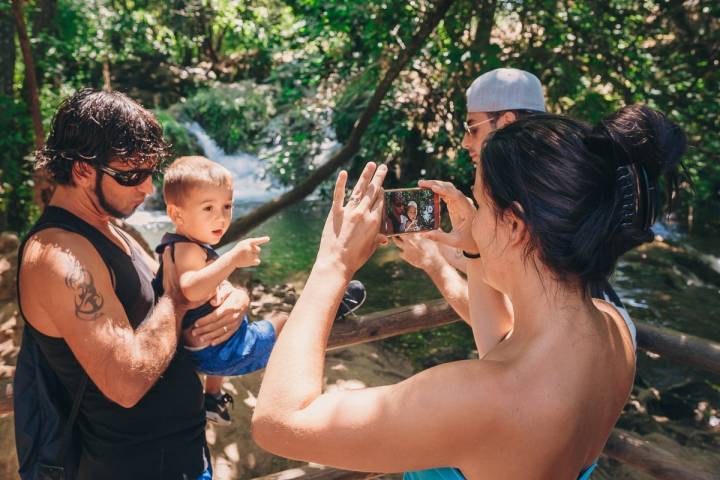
x=129, y=178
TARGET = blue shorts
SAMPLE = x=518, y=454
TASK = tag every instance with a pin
x=246, y=351
x=206, y=475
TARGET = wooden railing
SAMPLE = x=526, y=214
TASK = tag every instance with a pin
x=622, y=445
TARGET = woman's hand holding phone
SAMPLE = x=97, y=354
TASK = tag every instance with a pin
x=461, y=210
x=350, y=235
x=419, y=252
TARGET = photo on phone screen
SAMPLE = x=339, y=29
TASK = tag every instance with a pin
x=410, y=210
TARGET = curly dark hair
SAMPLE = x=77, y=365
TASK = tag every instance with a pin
x=588, y=194
x=97, y=127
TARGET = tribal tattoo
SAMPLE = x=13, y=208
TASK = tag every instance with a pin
x=88, y=301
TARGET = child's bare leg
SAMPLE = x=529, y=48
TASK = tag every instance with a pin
x=213, y=385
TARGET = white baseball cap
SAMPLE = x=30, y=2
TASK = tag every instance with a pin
x=505, y=89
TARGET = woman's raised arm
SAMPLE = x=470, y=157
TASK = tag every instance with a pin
x=417, y=423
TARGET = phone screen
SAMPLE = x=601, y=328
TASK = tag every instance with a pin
x=410, y=210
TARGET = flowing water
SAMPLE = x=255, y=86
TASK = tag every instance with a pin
x=295, y=234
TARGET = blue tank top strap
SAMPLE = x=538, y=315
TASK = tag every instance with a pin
x=585, y=474
x=447, y=473
x=444, y=473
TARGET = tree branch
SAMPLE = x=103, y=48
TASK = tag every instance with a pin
x=247, y=222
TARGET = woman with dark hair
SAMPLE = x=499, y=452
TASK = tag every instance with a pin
x=558, y=203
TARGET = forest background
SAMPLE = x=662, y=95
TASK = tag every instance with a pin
x=293, y=90
x=289, y=73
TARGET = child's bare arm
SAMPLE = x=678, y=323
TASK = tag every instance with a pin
x=198, y=281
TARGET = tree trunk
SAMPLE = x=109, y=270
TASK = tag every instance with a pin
x=34, y=103
x=107, y=84
x=485, y=14
x=245, y=223
x=7, y=53
x=43, y=185
x=43, y=27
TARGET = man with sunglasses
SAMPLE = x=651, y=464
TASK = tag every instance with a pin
x=84, y=289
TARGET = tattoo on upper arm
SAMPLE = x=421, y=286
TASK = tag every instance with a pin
x=88, y=301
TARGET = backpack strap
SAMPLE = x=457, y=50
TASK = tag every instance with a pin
x=36, y=461
x=68, y=429
x=77, y=400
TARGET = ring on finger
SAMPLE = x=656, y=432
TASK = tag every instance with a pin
x=225, y=329
x=354, y=200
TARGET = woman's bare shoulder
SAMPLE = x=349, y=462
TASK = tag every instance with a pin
x=617, y=319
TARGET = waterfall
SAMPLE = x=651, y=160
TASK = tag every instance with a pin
x=249, y=186
x=247, y=170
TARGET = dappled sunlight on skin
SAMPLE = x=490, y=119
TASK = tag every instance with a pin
x=210, y=434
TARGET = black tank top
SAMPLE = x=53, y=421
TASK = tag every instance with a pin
x=169, y=240
x=163, y=435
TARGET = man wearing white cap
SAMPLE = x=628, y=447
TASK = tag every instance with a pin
x=495, y=99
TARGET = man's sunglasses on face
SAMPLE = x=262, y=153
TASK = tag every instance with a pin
x=128, y=178
x=471, y=129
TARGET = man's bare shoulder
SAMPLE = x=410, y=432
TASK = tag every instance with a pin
x=62, y=279
x=54, y=253
x=44, y=245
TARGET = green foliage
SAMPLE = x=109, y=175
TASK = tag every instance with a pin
x=439, y=345
x=16, y=192
x=181, y=141
x=295, y=139
x=233, y=115
x=303, y=70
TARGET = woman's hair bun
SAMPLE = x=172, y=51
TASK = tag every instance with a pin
x=588, y=194
x=646, y=137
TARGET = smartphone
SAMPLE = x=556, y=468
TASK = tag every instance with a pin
x=410, y=210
